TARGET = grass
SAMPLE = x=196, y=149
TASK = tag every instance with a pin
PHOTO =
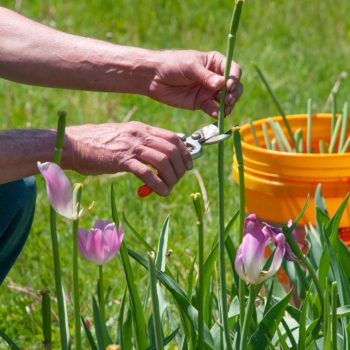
x=302, y=49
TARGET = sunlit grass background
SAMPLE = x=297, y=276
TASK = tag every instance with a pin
x=302, y=47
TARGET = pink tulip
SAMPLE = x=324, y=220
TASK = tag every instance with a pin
x=250, y=260
x=102, y=243
x=58, y=190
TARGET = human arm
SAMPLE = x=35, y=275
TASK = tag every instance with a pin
x=99, y=149
x=33, y=53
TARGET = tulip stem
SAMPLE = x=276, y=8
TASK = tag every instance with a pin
x=101, y=300
x=247, y=318
x=240, y=165
x=76, y=297
x=76, y=286
x=197, y=202
x=221, y=173
x=64, y=331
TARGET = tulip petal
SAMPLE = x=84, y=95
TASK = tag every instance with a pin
x=239, y=264
x=253, y=247
x=280, y=242
x=58, y=188
x=101, y=224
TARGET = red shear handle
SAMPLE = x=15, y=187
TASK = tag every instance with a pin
x=144, y=191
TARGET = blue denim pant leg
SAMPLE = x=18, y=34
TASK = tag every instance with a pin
x=17, y=205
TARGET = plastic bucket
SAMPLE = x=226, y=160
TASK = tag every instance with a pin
x=277, y=183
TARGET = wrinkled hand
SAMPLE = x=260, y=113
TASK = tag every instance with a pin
x=192, y=79
x=111, y=148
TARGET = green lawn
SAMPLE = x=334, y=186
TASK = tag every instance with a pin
x=302, y=47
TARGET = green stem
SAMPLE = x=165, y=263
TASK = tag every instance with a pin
x=64, y=331
x=247, y=318
x=196, y=197
x=335, y=134
x=240, y=165
x=309, y=126
x=76, y=286
x=252, y=130
x=344, y=127
x=46, y=318
x=266, y=136
x=277, y=104
x=221, y=174
x=101, y=300
x=334, y=298
x=334, y=113
x=157, y=322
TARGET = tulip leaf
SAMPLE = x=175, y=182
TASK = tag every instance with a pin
x=167, y=340
x=302, y=323
x=268, y=325
x=9, y=341
x=161, y=261
x=190, y=279
x=137, y=234
x=89, y=334
x=103, y=338
x=135, y=301
x=179, y=295
x=124, y=331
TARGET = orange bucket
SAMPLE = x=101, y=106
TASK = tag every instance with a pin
x=277, y=183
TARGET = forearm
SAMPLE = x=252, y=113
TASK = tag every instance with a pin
x=21, y=149
x=35, y=54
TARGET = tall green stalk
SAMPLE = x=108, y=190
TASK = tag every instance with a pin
x=157, y=322
x=221, y=174
x=196, y=197
x=100, y=292
x=248, y=316
x=76, y=295
x=240, y=165
x=64, y=331
x=46, y=318
x=278, y=105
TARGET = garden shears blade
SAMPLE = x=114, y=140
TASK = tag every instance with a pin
x=207, y=135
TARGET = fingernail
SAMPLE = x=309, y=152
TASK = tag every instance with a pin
x=166, y=191
x=189, y=165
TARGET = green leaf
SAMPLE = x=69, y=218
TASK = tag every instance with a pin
x=135, y=301
x=9, y=341
x=137, y=234
x=161, y=260
x=343, y=311
x=302, y=324
x=268, y=325
x=167, y=340
x=179, y=295
x=190, y=279
x=89, y=335
x=102, y=335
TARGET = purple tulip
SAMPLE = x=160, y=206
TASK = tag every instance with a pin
x=250, y=260
x=58, y=190
x=101, y=243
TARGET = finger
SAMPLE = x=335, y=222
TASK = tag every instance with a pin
x=232, y=97
x=234, y=77
x=147, y=176
x=172, y=152
x=176, y=141
x=210, y=107
x=160, y=162
x=207, y=78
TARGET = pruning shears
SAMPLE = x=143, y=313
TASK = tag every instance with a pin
x=207, y=135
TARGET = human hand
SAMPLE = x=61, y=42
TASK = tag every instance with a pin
x=111, y=148
x=192, y=80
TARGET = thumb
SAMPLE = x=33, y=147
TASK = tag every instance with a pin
x=207, y=78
